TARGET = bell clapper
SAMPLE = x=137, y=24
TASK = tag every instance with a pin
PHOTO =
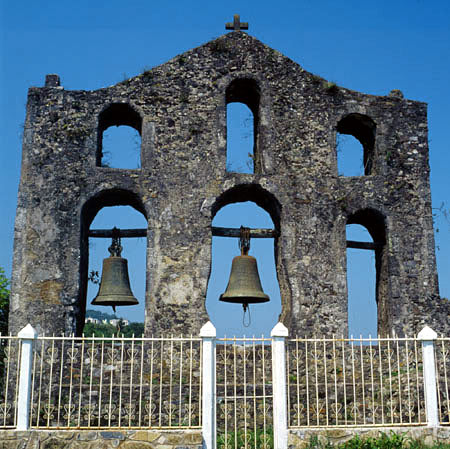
x=246, y=307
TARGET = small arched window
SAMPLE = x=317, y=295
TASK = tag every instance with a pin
x=355, y=143
x=242, y=99
x=119, y=137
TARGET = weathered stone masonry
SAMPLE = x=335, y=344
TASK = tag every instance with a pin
x=179, y=108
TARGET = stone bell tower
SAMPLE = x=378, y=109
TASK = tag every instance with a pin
x=179, y=109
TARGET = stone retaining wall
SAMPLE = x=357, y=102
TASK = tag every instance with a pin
x=299, y=439
x=100, y=439
x=190, y=439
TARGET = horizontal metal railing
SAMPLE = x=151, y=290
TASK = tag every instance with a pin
x=355, y=382
x=116, y=382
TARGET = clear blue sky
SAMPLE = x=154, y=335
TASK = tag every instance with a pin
x=372, y=47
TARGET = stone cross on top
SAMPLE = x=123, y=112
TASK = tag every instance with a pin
x=237, y=25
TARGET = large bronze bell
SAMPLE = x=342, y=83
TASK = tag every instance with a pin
x=244, y=285
x=115, y=287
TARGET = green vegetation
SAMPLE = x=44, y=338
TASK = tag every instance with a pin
x=4, y=311
x=330, y=87
x=263, y=440
x=4, y=302
x=108, y=330
x=384, y=441
x=100, y=315
x=99, y=330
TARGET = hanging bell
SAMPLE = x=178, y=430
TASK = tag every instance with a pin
x=115, y=287
x=244, y=286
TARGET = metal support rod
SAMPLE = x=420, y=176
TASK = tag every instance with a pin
x=264, y=233
x=216, y=232
x=236, y=232
x=123, y=233
x=364, y=245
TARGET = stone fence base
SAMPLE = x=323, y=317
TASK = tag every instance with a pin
x=101, y=439
x=191, y=439
x=300, y=438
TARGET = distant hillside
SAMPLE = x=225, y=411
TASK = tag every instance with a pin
x=100, y=315
x=107, y=330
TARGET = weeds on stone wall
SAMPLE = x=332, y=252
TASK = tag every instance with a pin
x=384, y=441
x=4, y=302
x=330, y=87
x=440, y=214
x=219, y=46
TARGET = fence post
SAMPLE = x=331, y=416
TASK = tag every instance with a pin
x=280, y=430
x=427, y=336
x=26, y=335
x=208, y=334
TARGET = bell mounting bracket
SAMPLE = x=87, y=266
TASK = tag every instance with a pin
x=116, y=248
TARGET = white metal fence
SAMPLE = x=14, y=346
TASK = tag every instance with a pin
x=443, y=379
x=116, y=383
x=9, y=380
x=242, y=392
x=355, y=382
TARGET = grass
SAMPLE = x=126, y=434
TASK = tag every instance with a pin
x=384, y=441
x=263, y=441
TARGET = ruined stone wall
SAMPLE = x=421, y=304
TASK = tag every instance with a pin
x=180, y=110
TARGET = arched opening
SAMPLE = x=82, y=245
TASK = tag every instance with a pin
x=252, y=207
x=367, y=278
x=121, y=209
x=361, y=285
x=240, y=139
x=119, y=137
x=242, y=99
x=355, y=143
